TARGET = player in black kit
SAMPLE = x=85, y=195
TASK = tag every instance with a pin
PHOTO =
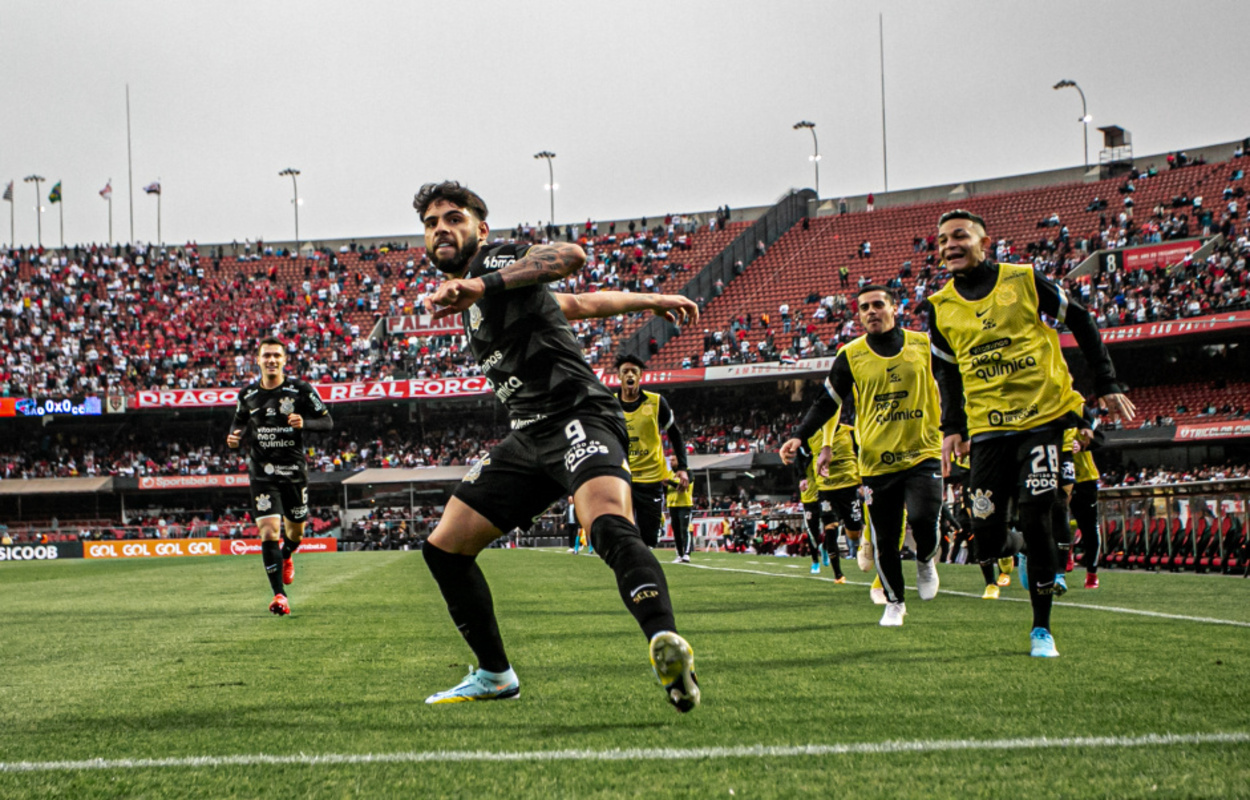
x=273, y=412
x=568, y=436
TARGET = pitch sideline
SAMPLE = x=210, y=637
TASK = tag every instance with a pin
x=654, y=754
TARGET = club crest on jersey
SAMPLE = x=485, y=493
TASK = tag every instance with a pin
x=286, y=405
x=475, y=318
x=263, y=502
x=982, y=506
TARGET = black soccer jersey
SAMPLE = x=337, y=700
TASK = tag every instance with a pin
x=527, y=349
x=276, y=449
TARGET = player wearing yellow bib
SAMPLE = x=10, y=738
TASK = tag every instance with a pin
x=888, y=375
x=1080, y=480
x=680, y=501
x=646, y=415
x=998, y=353
x=829, y=492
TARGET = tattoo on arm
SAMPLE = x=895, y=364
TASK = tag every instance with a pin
x=543, y=264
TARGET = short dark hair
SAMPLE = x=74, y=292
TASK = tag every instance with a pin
x=629, y=358
x=876, y=287
x=452, y=192
x=274, y=340
x=962, y=213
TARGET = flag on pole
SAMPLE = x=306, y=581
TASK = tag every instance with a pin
x=107, y=191
x=8, y=192
x=54, y=196
x=153, y=188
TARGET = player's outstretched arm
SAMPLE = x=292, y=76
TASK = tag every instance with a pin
x=673, y=307
x=543, y=263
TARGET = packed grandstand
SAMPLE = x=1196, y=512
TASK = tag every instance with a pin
x=121, y=363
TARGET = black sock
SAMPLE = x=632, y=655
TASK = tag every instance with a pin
x=469, y=601
x=639, y=577
x=271, y=554
x=833, y=551
x=1038, y=520
x=289, y=547
x=1084, y=507
x=987, y=571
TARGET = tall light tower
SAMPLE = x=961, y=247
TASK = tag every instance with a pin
x=37, y=179
x=292, y=171
x=551, y=186
x=1085, y=117
x=815, y=156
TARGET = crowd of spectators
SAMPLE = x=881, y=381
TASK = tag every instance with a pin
x=115, y=319
x=1134, y=475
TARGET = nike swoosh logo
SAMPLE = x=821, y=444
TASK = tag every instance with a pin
x=937, y=474
x=983, y=313
x=891, y=369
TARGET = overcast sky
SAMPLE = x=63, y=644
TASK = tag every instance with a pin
x=649, y=106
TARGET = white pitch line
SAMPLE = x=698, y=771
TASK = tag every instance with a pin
x=1115, y=609
x=653, y=754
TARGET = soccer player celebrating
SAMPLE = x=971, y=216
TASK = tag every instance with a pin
x=996, y=350
x=568, y=436
x=272, y=414
x=647, y=414
x=887, y=373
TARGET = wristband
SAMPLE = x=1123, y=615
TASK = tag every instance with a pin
x=492, y=283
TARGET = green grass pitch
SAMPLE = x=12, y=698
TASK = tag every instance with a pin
x=175, y=675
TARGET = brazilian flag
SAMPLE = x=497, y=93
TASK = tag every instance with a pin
x=55, y=195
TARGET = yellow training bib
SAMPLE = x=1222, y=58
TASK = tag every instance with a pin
x=896, y=405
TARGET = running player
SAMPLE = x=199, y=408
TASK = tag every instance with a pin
x=568, y=436
x=809, y=495
x=272, y=414
x=888, y=374
x=647, y=415
x=996, y=350
x=680, y=502
x=837, y=468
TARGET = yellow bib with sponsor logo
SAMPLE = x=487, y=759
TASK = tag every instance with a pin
x=679, y=498
x=646, y=450
x=844, y=468
x=814, y=442
x=896, y=405
x=1013, y=370
x=1082, y=460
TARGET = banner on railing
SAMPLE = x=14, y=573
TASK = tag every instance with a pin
x=1231, y=321
x=195, y=481
x=251, y=547
x=40, y=552
x=424, y=325
x=152, y=548
x=1212, y=430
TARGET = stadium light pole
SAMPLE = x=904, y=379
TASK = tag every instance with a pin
x=1085, y=118
x=37, y=179
x=292, y=171
x=551, y=187
x=815, y=157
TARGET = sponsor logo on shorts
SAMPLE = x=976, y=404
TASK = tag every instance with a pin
x=1041, y=483
x=982, y=505
x=579, y=453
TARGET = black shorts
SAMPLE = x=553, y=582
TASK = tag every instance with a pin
x=842, y=505
x=535, y=466
x=1022, y=469
x=279, y=498
x=649, y=510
